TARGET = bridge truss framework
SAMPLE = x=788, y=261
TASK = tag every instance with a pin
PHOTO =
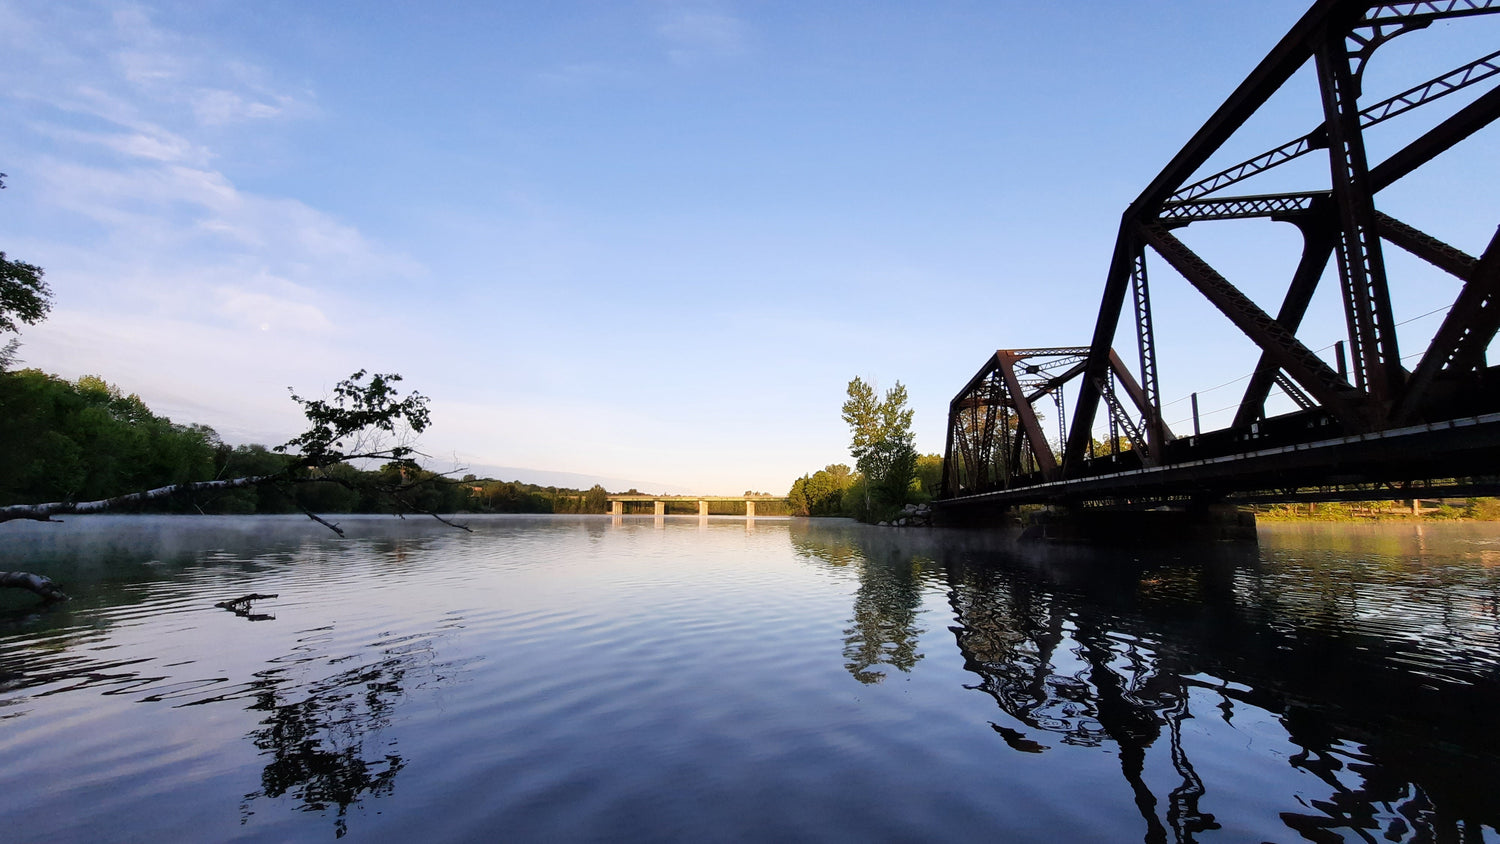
x=1366, y=426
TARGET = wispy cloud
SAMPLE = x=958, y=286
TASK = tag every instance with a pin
x=149, y=143
x=149, y=99
x=172, y=69
x=696, y=31
x=272, y=303
x=167, y=273
x=180, y=216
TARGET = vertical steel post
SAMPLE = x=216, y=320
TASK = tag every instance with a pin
x=1146, y=340
x=953, y=411
x=1114, y=423
x=1367, y=301
x=1196, y=430
x=1062, y=418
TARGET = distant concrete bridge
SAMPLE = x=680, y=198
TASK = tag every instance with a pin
x=617, y=502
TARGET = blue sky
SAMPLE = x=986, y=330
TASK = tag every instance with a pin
x=647, y=241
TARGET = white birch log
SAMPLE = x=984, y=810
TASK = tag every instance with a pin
x=45, y=512
x=42, y=586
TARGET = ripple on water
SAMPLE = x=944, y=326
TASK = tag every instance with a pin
x=572, y=679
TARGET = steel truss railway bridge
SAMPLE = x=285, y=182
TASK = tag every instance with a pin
x=1366, y=426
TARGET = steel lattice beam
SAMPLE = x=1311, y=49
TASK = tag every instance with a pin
x=1454, y=80
x=1389, y=13
x=995, y=435
x=1436, y=141
x=1275, y=206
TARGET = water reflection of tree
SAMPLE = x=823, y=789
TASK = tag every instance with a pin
x=326, y=746
x=883, y=630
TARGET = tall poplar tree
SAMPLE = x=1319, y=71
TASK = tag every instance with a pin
x=881, y=441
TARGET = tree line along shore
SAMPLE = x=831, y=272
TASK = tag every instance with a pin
x=86, y=439
x=1425, y=509
x=83, y=440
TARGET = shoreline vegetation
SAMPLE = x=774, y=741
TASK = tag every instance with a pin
x=890, y=482
x=85, y=440
x=64, y=440
x=1419, y=510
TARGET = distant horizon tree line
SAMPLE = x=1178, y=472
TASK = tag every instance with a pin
x=86, y=439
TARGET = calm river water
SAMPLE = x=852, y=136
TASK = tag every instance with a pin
x=583, y=679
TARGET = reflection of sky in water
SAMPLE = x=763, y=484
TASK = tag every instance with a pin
x=578, y=678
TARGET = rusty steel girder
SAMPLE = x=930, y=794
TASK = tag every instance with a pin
x=1444, y=412
x=1337, y=39
x=995, y=435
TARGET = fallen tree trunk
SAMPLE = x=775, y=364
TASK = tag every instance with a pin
x=359, y=413
x=49, y=592
x=45, y=512
x=42, y=586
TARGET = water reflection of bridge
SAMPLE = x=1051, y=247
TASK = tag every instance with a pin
x=1082, y=648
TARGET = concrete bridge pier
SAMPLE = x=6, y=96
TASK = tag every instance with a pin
x=617, y=508
x=702, y=509
x=661, y=508
x=749, y=509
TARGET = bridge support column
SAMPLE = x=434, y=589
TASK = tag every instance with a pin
x=661, y=507
x=702, y=509
x=617, y=508
x=749, y=509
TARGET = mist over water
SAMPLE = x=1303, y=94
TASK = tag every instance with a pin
x=579, y=678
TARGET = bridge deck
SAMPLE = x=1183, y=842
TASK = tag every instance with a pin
x=645, y=497
x=617, y=502
x=1455, y=458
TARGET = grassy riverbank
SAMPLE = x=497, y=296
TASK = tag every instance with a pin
x=1470, y=509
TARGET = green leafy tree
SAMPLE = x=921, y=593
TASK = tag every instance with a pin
x=358, y=421
x=114, y=436
x=24, y=298
x=596, y=500
x=881, y=443
x=84, y=439
x=929, y=475
x=797, y=497
x=821, y=493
